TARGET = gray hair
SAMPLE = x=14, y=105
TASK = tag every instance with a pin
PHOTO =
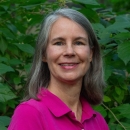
x=93, y=83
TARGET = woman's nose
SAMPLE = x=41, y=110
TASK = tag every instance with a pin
x=69, y=50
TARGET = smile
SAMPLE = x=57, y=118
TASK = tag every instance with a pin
x=72, y=64
x=68, y=66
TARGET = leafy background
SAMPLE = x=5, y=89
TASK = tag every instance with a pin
x=19, y=25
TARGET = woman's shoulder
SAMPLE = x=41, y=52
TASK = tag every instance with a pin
x=28, y=113
x=30, y=105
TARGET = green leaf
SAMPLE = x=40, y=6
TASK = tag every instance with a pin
x=90, y=14
x=112, y=126
x=123, y=111
x=25, y=48
x=123, y=18
x=108, y=72
x=104, y=38
x=12, y=27
x=30, y=7
x=12, y=103
x=127, y=125
x=118, y=64
x=119, y=127
x=117, y=97
x=122, y=36
x=3, y=45
x=124, y=87
x=3, y=59
x=123, y=51
x=4, y=120
x=128, y=67
x=112, y=45
x=5, y=93
x=14, y=61
x=98, y=27
x=102, y=33
x=3, y=107
x=35, y=20
x=2, y=12
x=7, y=33
x=17, y=80
x=27, y=67
x=5, y=68
x=106, y=99
x=118, y=90
x=2, y=127
x=118, y=27
x=124, y=108
x=4, y=7
x=101, y=110
x=88, y=2
x=31, y=2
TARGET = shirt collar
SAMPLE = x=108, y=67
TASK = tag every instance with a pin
x=54, y=104
x=87, y=110
x=58, y=108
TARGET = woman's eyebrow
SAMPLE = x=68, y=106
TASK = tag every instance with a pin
x=62, y=39
x=57, y=38
x=81, y=38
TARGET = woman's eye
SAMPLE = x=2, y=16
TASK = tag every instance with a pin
x=58, y=43
x=79, y=43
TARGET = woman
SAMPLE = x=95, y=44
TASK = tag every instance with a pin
x=65, y=79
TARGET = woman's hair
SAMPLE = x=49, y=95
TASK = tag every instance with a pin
x=93, y=82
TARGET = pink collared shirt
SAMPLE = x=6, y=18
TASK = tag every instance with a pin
x=50, y=113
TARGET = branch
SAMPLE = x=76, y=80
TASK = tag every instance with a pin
x=7, y=82
x=114, y=116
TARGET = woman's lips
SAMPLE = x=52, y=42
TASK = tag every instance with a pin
x=68, y=65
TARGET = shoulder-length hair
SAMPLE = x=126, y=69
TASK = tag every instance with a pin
x=93, y=82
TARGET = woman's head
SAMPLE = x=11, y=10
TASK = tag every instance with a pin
x=40, y=74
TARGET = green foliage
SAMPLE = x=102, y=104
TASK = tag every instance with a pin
x=119, y=6
x=4, y=121
x=19, y=26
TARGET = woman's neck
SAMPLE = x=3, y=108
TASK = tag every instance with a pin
x=69, y=94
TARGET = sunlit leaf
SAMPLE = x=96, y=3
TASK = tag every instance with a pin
x=106, y=99
x=118, y=90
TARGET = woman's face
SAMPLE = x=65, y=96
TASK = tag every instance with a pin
x=68, y=54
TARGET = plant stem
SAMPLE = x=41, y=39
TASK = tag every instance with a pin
x=114, y=116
